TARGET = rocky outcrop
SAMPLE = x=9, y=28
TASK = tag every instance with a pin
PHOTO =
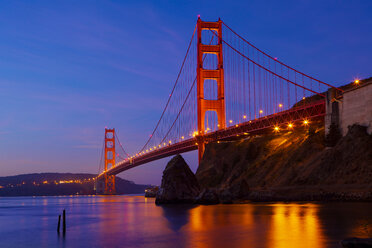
x=179, y=184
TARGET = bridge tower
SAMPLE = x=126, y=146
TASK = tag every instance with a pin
x=204, y=105
x=109, y=160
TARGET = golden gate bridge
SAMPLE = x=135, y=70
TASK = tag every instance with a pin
x=226, y=87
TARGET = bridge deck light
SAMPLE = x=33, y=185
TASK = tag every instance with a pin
x=244, y=117
x=290, y=125
x=261, y=111
x=306, y=122
x=182, y=137
x=236, y=125
x=230, y=121
x=356, y=81
x=170, y=142
x=280, y=105
x=276, y=129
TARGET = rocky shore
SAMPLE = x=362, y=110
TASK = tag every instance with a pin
x=291, y=166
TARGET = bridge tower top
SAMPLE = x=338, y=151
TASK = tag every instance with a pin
x=215, y=74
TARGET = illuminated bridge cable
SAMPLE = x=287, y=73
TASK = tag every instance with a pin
x=100, y=165
x=183, y=105
x=170, y=96
x=262, y=67
x=121, y=146
x=250, y=44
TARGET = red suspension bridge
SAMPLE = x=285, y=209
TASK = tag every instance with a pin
x=226, y=87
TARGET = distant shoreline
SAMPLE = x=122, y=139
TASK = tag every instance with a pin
x=60, y=184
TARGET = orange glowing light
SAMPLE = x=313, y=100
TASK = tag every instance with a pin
x=244, y=117
x=306, y=122
x=170, y=142
x=261, y=111
x=236, y=125
x=280, y=105
x=356, y=81
x=230, y=121
x=290, y=125
x=276, y=129
x=182, y=137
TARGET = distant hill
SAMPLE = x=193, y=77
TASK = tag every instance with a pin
x=44, y=184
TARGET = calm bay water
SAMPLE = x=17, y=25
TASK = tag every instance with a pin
x=134, y=221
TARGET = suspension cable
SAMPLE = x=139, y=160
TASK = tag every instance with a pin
x=170, y=96
x=278, y=60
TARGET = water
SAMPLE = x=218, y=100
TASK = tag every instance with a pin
x=134, y=221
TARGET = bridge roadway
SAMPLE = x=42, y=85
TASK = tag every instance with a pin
x=311, y=111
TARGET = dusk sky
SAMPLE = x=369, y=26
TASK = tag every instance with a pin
x=70, y=68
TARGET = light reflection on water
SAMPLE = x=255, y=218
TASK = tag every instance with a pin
x=134, y=221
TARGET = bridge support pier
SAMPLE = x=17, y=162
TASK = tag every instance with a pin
x=204, y=105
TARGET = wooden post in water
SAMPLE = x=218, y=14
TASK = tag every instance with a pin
x=59, y=223
x=64, y=220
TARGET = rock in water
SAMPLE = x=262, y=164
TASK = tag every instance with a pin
x=179, y=184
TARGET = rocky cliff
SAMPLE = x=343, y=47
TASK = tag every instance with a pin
x=293, y=165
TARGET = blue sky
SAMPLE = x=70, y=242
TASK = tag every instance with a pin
x=70, y=68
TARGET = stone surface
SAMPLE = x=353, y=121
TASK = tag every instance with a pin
x=225, y=196
x=179, y=184
x=208, y=197
x=357, y=107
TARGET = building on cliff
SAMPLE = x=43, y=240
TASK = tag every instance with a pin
x=354, y=106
